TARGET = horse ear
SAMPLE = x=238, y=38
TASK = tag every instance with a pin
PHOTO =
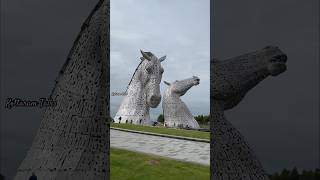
x=162, y=58
x=145, y=55
x=167, y=83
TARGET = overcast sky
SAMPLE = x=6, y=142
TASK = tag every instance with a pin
x=179, y=29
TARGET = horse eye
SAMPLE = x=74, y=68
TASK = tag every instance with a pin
x=149, y=69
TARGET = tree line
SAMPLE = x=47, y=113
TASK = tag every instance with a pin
x=201, y=119
x=295, y=175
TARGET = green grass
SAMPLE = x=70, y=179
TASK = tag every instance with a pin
x=206, y=126
x=127, y=165
x=163, y=130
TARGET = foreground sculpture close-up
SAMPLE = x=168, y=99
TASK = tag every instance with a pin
x=143, y=91
x=73, y=139
x=231, y=156
x=175, y=111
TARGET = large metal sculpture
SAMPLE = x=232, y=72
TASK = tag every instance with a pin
x=231, y=156
x=175, y=111
x=73, y=139
x=143, y=91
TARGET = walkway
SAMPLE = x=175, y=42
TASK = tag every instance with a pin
x=185, y=150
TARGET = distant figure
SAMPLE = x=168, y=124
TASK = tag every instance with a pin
x=33, y=177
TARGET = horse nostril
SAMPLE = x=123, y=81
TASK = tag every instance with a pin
x=284, y=57
x=155, y=98
x=279, y=58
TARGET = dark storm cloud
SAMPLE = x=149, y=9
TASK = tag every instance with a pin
x=280, y=117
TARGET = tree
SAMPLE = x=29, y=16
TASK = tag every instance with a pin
x=317, y=174
x=275, y=177
x=285, y=174
x=206, y=119
x=199, y=118
x=294, y=174
x=307, y=175
x=202, y=119
x=160, y=118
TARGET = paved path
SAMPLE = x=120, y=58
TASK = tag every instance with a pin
x=191, y=151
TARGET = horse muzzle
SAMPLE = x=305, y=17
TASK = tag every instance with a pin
x=154, y=101
x=277, y=65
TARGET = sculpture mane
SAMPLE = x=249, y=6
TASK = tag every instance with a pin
x=175, y=111
x=143, y=91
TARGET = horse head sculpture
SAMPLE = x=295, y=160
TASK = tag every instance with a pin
x=234, y=77
x=151, y=75
x=143, y=91
x=176, y=113
x=231, y=156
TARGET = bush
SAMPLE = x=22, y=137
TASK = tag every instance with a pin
x=160, y=118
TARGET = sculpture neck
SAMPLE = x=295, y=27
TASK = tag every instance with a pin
x=217, y=107
x=175, y=97
x=224, y=134
x=217, y=112
x=136, y=95
x=134, y=108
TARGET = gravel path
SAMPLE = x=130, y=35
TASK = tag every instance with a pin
x=190, y=151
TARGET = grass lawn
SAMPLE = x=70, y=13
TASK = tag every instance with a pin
x=163, y=130
x=204, y=126
x=128, y=165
